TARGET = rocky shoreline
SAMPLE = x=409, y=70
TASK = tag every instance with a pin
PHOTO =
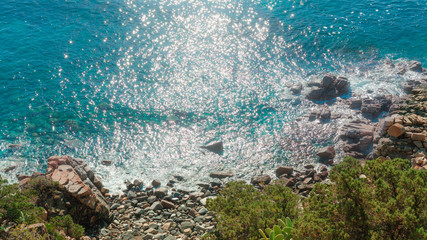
x=160, y=211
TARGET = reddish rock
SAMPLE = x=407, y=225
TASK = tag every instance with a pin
x=326, y=153
x=418, y=137
x=167, y=204
x=396, y=130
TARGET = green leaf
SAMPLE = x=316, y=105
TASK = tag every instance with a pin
x=268, y=231
x=272, y=235
x=279, y=237
x=289, y=222
x=277, y=230
x=282, y=224
x=287, y=230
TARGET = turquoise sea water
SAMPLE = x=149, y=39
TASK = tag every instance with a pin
x=145, y=83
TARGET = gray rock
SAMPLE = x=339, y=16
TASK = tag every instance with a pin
x=296, y=88
x=105, y=232
x=415, y=66
x=156, y=183
x=195, y=195
x=151, y=199
x=265, y=179
x=203, y=211
x=186, y=225
x=161, y=192
x=131, y=195
x=170, y=238
x=114, y=206
x=220, y=175
x=217, y=147
x=139, y=211
x=156, y=206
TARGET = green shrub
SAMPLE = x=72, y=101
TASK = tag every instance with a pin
x=66, y=224
x=16, y=206
x=242, y=210
x=385, y=199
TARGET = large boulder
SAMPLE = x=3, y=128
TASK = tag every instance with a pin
x=79, y=183
x=262, y=179
x=281, y=170
x=396, y=130
x=326, y=154
x=329, y=87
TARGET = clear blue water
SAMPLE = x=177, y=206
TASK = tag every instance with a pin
x=145, y=83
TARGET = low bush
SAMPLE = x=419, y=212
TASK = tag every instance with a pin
x=385, y=199
x=242, y=209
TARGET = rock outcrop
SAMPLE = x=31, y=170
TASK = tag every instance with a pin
x=79, y=191
x=358, y=138
x=406, y=135
x=329, y=87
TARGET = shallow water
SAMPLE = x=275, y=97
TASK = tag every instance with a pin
x=144, y=84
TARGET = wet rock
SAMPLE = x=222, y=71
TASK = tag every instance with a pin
x=415, y=66
x=396, y=130
x=106, y=162
x=156, y=183
x=281, y=170
x=355, y=103
x=8, y=169
x=326, y=153
x=215, y=147
x=161, y=192
x=328, y=88
x=14, y=147
x=263, y=179
x=221, y=175
x=296, y=88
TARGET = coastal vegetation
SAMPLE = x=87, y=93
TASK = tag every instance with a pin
x=383, y=199
x=22, y=217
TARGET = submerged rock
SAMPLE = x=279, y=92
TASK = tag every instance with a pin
x=220, y=175
x=217, y=147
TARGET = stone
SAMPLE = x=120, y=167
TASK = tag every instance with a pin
x=418, y=144
x=355, y=103
x=263, y=179
x=161, y=192
x=203, y=211
x=396, y=130
x=195, y=195
x=220, y=175
x=167, y=204
x=151, y=199
x=170, y=238
x=296, y=88
x=415, y=66
x=8, y=169
x=326, y=153
x=186, y=225
x=78, y=188
x=281, y=170
x=328, y=88
x=106, y=162
x=156, y=206
x=155, y=183
x=418, y=137
x=216, y=147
